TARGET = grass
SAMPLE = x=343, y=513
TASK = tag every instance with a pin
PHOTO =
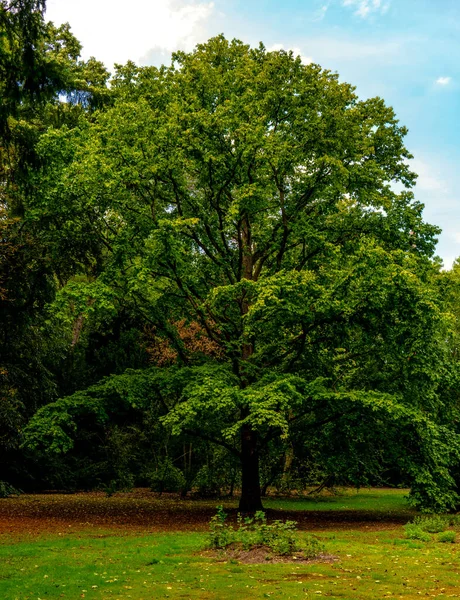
x=374, y=562
x=365, y=499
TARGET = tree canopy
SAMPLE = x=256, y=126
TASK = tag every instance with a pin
x=243, y=206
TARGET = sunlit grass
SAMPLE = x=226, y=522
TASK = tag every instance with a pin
x=369, y=565
x=349, y=499
x=372, y=562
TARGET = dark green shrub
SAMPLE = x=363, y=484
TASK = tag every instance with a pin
x=124, y=483
x=7, y=490
x=447, y=537
x=167, y=478
x=217, y=476
x=208, y=482
x=454, y=520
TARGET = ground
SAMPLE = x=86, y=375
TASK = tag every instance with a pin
x=141, y=546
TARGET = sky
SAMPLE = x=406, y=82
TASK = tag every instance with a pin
x=406, y=51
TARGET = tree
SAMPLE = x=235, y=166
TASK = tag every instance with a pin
x=248, y=193
x=39, y=63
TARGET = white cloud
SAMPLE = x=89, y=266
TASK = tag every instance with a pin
x=436, y=189
x=448, y=260
x=443, y=80
x=429, y=179
x=363, y=8
x=321, y=12
x=326, y=49
x=115, y=31
x=297, y=52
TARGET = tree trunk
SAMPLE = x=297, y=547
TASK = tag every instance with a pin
x=288, y=458
x=250, y=500
x=78, y=325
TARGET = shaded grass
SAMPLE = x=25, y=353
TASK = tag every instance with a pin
x=145, y=512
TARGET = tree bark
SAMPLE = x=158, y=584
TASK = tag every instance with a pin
x=288, y=458
x=78, y=325
x=250, y=500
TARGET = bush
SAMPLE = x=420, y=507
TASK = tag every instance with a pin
x=124, y=483
x=220, y=534
x=454, y=520
x=218, y=476
x=167, y=478
x=421, y=527
x=415, y=532
x=7, y=490
x=447, y=537
x=433, y=524
x=280, y=537
x=208, y=482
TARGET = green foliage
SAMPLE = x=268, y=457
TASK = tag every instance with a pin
x=39, y=63
x=415, y=532
x=124, y=484
x=220, y=533
x=447, y=537
x=209, y=481
x=254, y=196
x=280, y=537
x=119, y=446
x=420, y=528
x=167, y=478
x=432, y=524
x=454, y=520
x=218, y=475
x=53, y=426
x=7, y=490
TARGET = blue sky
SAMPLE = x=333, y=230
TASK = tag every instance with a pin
x=407, y=51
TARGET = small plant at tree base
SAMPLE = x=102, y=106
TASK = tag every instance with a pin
x=280, y=537
x=447, y=537
x=220, y=534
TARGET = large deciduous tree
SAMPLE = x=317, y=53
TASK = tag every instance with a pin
x=253, y=197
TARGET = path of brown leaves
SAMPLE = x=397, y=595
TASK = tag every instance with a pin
x=144, y=511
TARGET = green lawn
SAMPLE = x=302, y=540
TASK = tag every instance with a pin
x=372, y=562
x=382, y=500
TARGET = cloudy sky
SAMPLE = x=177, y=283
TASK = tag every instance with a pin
x=407, y=51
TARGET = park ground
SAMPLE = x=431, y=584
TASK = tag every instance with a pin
x=144, y=547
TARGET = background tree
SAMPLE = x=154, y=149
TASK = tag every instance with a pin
x=39, y=65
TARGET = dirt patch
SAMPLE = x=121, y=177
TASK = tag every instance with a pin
x=262, y=554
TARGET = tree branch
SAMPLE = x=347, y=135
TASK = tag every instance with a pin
x=210, y=438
